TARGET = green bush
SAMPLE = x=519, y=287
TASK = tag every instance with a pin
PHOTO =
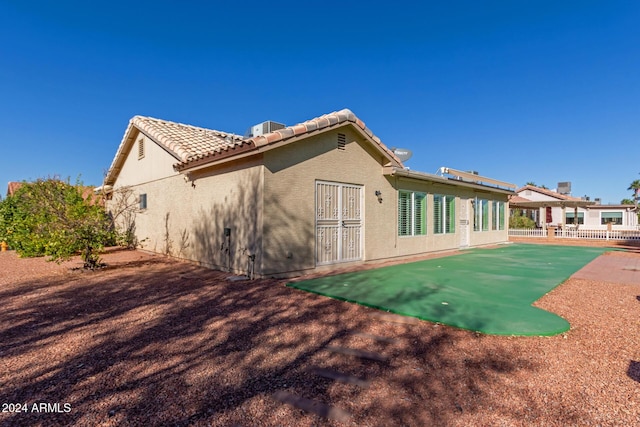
x=51, y=217
x=517, y=220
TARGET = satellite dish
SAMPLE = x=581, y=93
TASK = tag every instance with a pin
x=403, y=154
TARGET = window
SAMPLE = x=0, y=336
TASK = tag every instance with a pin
x=497, y=212
x=412, y=218
x=481, y=216
x=570, y=218
x=485, y=215
x=143, y=201
x=494, y=215
x=140, y=149
x=614, y=218
x=444, y=214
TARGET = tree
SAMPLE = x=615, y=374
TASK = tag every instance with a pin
x=626, y=202
x=51, y=217
x=635, y=187
x=533, y=184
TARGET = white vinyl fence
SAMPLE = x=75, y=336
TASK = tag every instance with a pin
x=580, y=233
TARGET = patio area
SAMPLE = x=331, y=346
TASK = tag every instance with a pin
x=484, y=290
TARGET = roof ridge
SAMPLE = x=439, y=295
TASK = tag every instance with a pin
x=172, y=136
x=169, y=122
x=321, y=122
x=547, y=191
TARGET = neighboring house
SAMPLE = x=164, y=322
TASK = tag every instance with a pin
x=293, y=200
x=550, y=208
x=12, y=187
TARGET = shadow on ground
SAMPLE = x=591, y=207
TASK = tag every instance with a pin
x=156, y=342
x=634, y=370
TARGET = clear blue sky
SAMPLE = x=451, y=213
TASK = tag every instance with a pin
x=525, y=90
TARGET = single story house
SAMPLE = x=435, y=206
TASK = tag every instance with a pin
x=287, y=201
x=550, y=208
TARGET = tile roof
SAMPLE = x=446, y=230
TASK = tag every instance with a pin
x=516, y=199
x=194, y=146
x=547, y=192
x=314, y=125
x=185, y=141
x=12, y=187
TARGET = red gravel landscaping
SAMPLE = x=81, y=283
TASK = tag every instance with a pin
x=152, y=341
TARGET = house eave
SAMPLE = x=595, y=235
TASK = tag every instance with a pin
x=553, y=204
x=424, y=176
x=251, y=147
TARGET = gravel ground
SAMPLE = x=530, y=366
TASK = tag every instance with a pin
x=152, y=342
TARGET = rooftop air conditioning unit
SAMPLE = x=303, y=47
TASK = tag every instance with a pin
x=263, y=128
x=564, y=188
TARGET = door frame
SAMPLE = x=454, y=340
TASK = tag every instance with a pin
x=340, y=223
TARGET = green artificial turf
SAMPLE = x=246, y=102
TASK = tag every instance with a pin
x=485, y=290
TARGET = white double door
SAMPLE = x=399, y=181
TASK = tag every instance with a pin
x=339, y=222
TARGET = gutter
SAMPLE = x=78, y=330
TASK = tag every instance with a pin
x=424, y=176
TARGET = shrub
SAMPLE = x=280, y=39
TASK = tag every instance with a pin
x=51, y=217
x=517, y=220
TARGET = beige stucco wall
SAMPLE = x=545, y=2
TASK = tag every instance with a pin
x=268, y=202
x=156, y=163
x=290, y=179
x=432, y=242
x=187, y=218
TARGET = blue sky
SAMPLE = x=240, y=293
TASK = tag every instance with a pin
x=542, y=91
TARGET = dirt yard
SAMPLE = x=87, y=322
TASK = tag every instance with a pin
x=150, y=341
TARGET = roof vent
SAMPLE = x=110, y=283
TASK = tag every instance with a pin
x=263, y=128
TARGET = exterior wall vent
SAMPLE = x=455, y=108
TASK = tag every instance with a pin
x=263, y=128
x=140, y=148
x=342, y=141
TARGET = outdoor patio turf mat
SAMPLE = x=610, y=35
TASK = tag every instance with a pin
x=485, y=290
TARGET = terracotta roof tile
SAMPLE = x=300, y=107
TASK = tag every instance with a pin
x=185, y=141
x=516, y=199
x=193, y=145
x=12, y=187
x=547, y=192
x=319, y=123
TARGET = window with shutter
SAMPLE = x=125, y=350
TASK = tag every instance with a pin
x=437, y=214
x=404, y=213
x=450, y=223
x=420, y=214
x=412, y=213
